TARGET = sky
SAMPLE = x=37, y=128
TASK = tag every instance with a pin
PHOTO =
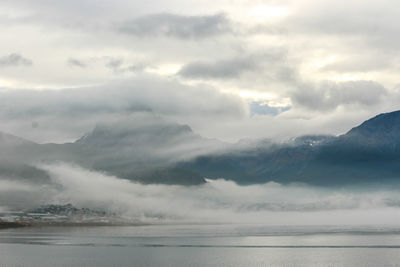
x=230, y=69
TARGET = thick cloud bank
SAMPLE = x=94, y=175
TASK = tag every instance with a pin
x=217, y=201
x=65, y=115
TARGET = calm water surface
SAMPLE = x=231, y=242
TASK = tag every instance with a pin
x=201, y=245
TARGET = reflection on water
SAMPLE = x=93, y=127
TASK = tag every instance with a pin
x=201, y=245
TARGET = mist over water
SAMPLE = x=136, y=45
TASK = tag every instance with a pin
x=217, y=201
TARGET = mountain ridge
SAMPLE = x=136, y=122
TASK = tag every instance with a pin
x=156, y=151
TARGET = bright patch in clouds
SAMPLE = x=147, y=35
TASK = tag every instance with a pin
x=165, y=69
x=263, y=12
x=322, y=62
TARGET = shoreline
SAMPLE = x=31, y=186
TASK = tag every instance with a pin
x=7, y=225
x=10, y=225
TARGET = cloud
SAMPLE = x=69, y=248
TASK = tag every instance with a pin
x=219, y=45
x=177, y=26
x=76, y=63
x=14, y=60
x=216, y=201
x=223, y=69
x=67, y=114
x=272, y=63
x=114, y=64
x=117, y=66
x=373, y=22
x=349, y=66
x=23, y=195
x=327, y=96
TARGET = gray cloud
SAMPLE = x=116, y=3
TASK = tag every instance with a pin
x=178, y=26
x=273, y=62
x=14, y=60
x=362, y=63
x=373, y=22
x=114, y=64
x=224, y=69
x=76, y=63
x=117, y=66
x=217, y=201
x=67, y=114
x=330, y=95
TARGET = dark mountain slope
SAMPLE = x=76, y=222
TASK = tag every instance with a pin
x=138, y=149
x=279, y=163
x=367, y=154
x=383, y=129
x=150, y=150
x=145, y=151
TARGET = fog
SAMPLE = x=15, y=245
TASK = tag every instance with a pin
x=217, y=201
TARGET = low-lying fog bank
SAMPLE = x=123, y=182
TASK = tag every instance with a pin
x=217, y=201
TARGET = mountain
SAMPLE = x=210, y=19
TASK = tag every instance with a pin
x=11, y=145
x=13, y=160
x=380, y=130
x=279, y=162
x=148, y=149
x=367, y=154
x=140, y=148
x=8, y=140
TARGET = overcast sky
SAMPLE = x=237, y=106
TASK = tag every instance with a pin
x=231, y=69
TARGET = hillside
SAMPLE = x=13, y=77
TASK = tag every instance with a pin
x=367, y=154
x=151, y=150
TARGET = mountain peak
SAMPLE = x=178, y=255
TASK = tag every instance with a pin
x=135, y=131
x=384, y=127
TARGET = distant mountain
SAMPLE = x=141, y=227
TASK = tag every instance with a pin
x=14, y=154
x=141, y=148
x=151, y=150
x=382, y=129
x=8, y=140
x=146, y=151
x=11, y=145
x=149, y=139
x=367, y=154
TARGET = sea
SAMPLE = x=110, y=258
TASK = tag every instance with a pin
x=196, y=245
